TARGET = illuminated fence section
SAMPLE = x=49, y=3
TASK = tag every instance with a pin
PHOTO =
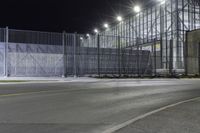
x=2, y=51
x=45, y=54
x=34, y=54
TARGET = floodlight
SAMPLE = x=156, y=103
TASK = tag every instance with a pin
x=88, y=35
x=106, y=25
x=119, y=18
x=137, y=9
x=96, y=31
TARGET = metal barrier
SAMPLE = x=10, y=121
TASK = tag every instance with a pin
x=192, y=53
x=44, y=54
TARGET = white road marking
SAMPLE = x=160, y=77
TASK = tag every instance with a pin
x=129, y=122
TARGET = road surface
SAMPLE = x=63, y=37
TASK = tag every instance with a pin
x=86, y=107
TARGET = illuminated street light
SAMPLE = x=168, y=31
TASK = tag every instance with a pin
x=81, y=38
x=161, y=1
x=137, y=9
x=88, y=35
x=119, y=18
x=106, y=26
x=96, y=31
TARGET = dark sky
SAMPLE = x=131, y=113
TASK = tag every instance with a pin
x=57, y=15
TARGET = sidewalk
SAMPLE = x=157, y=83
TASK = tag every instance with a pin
x=184, y=118
x=21, y=80
x=32, y=78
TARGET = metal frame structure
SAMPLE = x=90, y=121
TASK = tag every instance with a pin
x=165, y=22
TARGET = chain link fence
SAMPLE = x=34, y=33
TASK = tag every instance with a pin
x=29, y=53
x=2, y=51
x=45, y=54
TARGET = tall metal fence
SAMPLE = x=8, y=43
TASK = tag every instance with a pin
x=45, y=54
x=29, y=53
x=100, y=55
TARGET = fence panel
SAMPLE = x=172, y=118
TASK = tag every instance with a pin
x=2, y=51
x=114, y=58
x=34, y=54
x=34, y=60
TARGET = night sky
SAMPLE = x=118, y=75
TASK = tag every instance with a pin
x=57, y=15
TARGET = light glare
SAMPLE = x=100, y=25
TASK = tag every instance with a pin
x=106, y=25
x=96, y=30
x=119, y=18
x=137, y=9
x=88, y=35
x=162, y=1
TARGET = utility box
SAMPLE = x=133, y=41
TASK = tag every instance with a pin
x=192, y=63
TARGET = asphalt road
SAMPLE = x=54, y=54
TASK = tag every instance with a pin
x=182, y=118
x=86, y=107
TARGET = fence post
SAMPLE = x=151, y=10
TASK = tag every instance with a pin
x=6, y=52
x=64, y=55
x=75, y=69
x=119, y=57
x=98, y=55
x=155, y=58
x=199, y=57
x=186, y=54
x=152, y=60
x=171, y=58
x=138, y=58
